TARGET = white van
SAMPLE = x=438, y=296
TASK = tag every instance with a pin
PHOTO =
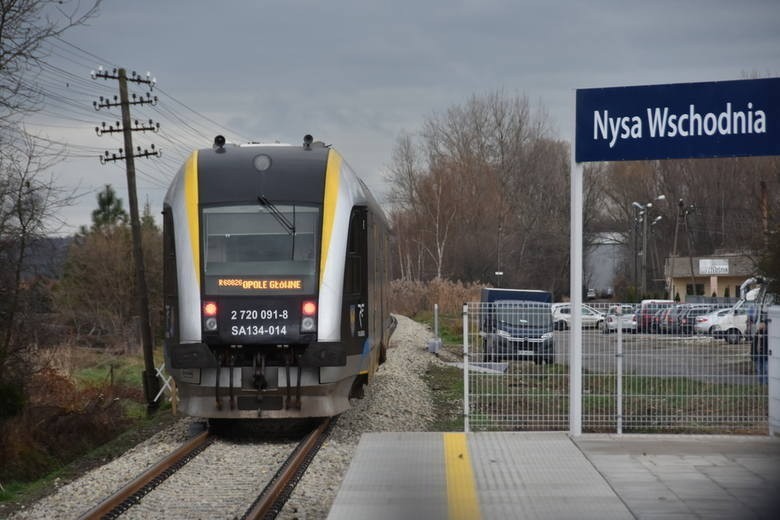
x=732, y=326
x=737, y=323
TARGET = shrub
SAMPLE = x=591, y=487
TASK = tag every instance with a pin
x=58, y=423
x=11, y=400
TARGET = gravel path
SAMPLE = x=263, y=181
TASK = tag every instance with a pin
x=397, y=400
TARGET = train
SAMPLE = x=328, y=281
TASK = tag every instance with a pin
x=275, y=280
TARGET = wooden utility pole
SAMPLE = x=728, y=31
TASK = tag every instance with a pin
x=150, y=380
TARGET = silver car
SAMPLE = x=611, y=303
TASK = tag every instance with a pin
x=623, y=314
x=561, y=316
x=709, y=323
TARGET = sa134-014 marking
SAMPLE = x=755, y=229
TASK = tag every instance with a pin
x=258, y=330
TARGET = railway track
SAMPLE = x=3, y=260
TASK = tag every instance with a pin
x=268, y=502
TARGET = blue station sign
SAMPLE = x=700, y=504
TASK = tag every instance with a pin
x=713, y=119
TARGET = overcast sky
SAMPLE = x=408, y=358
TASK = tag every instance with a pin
x=357, y=73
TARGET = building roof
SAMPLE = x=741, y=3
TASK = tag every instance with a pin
x=725, y=264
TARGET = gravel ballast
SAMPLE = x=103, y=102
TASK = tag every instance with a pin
x=398, y=400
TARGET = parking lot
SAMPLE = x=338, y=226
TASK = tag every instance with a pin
x=700, y=357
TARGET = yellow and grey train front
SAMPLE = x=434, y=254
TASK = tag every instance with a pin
x=273, y=282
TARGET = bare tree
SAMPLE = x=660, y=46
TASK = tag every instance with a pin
x=28, y=203
x=479, y=189
x=25, y=27
x=404, y=176
x=729, y=203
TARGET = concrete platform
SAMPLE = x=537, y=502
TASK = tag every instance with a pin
x=550, y=475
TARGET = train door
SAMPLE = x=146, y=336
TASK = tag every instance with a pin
x=355, y=330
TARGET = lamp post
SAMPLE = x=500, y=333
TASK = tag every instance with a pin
x=638, y=209
x=644, y=210
x=654, y=259
x=681, y=216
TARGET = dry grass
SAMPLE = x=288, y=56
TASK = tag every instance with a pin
x=412, y=297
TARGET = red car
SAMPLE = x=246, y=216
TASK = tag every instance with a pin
x=648, y=308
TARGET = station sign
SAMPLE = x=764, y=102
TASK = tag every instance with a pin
x=674, y=121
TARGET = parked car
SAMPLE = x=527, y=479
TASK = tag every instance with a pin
x=647, y=309
x=623, y=314
x=516, y=324
x=732, y=325
x=708, y=323
x=667, y=320
x=686, y=320
x=561, y=316
x=680, y=319
x=520, y=330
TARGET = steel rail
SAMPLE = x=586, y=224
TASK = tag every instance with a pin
x=268, y=504
x=133, y=491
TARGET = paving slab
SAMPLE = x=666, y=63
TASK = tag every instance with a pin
x=692, y=476
x=541, y=475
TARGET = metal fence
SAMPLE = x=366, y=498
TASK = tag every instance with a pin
x=671, y=377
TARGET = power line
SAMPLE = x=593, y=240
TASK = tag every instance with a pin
x=65, y=108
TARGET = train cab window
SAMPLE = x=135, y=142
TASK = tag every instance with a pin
x=252, y=240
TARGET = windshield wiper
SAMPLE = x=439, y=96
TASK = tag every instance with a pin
x=278, y=215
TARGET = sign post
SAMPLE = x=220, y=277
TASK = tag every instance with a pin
x=673, y=121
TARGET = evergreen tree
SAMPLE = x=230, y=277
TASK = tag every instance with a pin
x=109, y=212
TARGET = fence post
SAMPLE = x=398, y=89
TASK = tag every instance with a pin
x=436, y=319
x=466, y=367
x=773, y=369
x=575, y=292
x=619, y=360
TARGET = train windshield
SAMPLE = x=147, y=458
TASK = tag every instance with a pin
x=263, y=247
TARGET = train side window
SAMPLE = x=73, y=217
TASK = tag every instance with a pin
x=170, y=282
x=353, y=279
x=169, y=253
x=356, y=251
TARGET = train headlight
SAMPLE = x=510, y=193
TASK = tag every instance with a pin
x=309, y=316
x=210, y=324
x=308, y=325
x=210, y=316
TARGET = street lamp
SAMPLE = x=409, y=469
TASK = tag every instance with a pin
x=682, y=214
x=643, y=211
x=654, y=259
x=639, y=209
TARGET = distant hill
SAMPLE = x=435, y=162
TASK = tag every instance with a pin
x=46, y=257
